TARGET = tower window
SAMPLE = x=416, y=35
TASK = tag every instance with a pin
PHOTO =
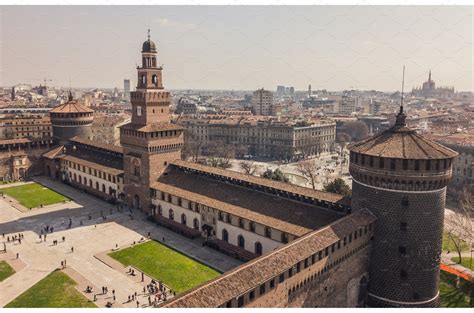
x=402, y=250
x=381, y=163
x=392, y=164
x=252, y=295
x=417, y=165
x=240, y=301
x=405, y=164
x=403, y=274
x=428, y=165
x=405, y=202
x=403, y=226
x=154, y=79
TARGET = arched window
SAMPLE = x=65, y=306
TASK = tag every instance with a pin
x=103, y=188
x=183, y=219
x=196, y=223
x=258, y=248
x=97, y=185
x=90, y=182
x=143, y=79
x=171, y=214
x=241, y=241
x=225, y=235
x=154, y=80
x=75, y=177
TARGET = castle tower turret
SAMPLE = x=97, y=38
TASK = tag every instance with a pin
x=150, y=141
x=401, y=178
x=71, y=119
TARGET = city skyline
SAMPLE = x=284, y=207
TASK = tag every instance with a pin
x=240, y=48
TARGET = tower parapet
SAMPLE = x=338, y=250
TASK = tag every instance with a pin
x=401, y=177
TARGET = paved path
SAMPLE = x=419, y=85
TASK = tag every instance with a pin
x=92, y=237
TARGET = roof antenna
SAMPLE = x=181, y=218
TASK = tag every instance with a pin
x=403, y=85
x=401, y=116
x=70, y=91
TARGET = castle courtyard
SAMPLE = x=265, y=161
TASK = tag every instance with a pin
x=91, y=239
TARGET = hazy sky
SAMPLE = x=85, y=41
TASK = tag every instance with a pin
x=240, y=47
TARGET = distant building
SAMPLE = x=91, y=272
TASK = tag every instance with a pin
x=262, y=102
x=13, y=93
x=280, y=90
x=263, y=137
x=31, y=127
x=429, y=90
x=126, y=87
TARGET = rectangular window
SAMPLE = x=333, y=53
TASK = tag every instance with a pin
x=229, y=304
x=381, y=163
x=240, y=301
x=320, y=255
x=313, y=259
x=333, y=246
x=417, y=165
x=290, y=272
x=405, y=164
x=281, y=278
x=402, y=250
x=252, y=295
x=272, y=284
x=428, y=165
x=298, y=267
x=403, y=226
x=305, y=263
x=326, y=251
x=392, y=164
x=262, y=289
x=403, y=274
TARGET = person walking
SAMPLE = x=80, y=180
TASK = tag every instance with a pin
x=17, y=255
x=72, y=249
x=138, y=304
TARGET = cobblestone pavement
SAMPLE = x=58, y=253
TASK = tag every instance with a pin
x=94, y=236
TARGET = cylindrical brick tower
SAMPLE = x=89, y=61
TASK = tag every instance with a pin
x=401, y=178
x=71, y=119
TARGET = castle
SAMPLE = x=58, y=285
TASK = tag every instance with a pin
x=302, y=247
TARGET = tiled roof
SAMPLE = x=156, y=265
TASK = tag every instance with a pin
x=13, y=141
x=232, y=209
x=71, y=107
x=258, y=271
x=54, y=153
x=96, y=144
x=278, y=212
x=402, y=143
x=152, y=127
x=286, y=187
x=103, y=168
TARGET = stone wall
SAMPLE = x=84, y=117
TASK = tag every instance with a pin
x=404, y=263
x=334, y=281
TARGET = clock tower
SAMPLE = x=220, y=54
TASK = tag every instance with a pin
x=149, y=141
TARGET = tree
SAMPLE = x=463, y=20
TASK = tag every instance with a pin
x=309, y=170
x=343, y=138
x=357, y=130
x=249, y=167
x=459, y=229
x=338, y=186
x=275, y=175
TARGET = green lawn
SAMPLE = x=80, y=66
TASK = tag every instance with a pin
x=54, y=291
x=174, y=269
x=452, y=295
x=465, y=261
x=32, y=195
x=448, y=244
x=5, y=270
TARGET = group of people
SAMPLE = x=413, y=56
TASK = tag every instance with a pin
x=14, y=238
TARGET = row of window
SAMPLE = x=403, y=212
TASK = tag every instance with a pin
x=93, y=172
x=83, y=180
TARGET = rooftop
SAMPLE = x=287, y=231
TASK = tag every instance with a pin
x=152, y=127
x=96, y=144
x=245, y=277
x=401, y=142
x=71, y=107
x=285, y=187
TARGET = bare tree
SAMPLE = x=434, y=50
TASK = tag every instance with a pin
x=249, y=167
x=460, y=229
x=357, y=130
x=309, y=170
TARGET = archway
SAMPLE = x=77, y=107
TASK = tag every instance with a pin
x=241, y=241
x=171, y=214
x=196, y=223
x=258, y=248
x=48, y=171
x=362, y=292
x=225, y=235
x=183, y=219
x=136, y=202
